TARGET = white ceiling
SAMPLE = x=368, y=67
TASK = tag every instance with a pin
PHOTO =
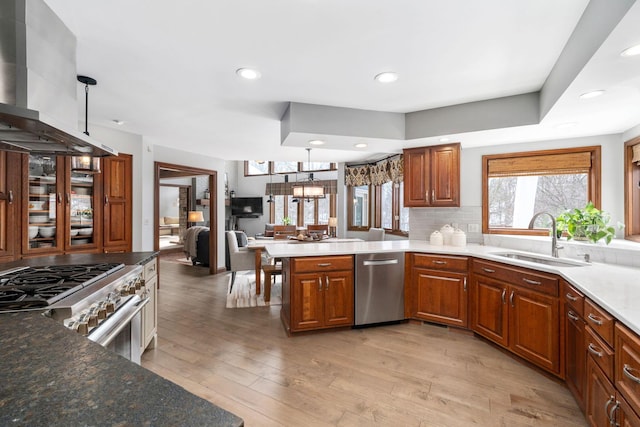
x=167, y=68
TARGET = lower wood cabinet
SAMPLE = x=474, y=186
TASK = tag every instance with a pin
x=601, y=396
x=523, y=320
x=575, y=355
x=150, y=311
x=438, y=290
x=320, y=292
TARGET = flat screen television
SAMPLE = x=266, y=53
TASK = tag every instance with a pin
x=247, y=207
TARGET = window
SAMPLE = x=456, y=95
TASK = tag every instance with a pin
x=285, y=167
x=394, y=217
x=632, y=189
x=518, y=185
x=316, y=166
x=311, y=211
x=256, y=167
x=358, y=208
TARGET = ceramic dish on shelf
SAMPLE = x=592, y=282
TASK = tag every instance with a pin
x=36, y=189
x=48, y=231
x=33, y=231
x=86, y=231
x=37, y=205
x=74, y=232
x=79, y=241
x=38, y=219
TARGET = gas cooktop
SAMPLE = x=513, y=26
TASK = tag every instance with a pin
x=36, y=287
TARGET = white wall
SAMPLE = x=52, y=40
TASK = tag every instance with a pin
x=169, y=201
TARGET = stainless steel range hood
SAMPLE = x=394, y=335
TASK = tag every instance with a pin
x=38, y=86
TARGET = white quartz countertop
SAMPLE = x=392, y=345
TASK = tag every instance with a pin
x=615, y=288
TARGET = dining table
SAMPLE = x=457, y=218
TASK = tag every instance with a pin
x=258, y=245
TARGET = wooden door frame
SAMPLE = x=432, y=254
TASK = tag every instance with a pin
x=181, y=170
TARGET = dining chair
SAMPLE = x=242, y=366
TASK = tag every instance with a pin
x=375, y=234
x=283, y=231
x=240, y=258
x=322, y=229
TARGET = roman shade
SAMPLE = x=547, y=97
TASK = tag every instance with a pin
x=636, y=154
x=542, y=164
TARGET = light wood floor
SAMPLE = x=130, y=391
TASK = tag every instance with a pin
x=400, y=375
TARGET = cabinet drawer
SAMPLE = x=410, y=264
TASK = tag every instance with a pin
x=601, y=353
x=523, y=277
x=599, y=320
x=324, y=263
x=573, y=298
x=151, y=269
x=441, y=262
x=627, y=374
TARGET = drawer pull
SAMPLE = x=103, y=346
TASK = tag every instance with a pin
x=504, y=294
x=440, y=262
x=606, y=407
x=594, y=350
x=571, y=297
x=627, y=372
x=595, y=319
x=612, y=417
x=324, y=264
x=531, y=282
x=488, y=270
x=572, y=316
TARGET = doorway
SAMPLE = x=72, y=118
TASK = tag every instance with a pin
x=178, y=177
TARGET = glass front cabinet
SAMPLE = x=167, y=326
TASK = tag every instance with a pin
x=60, y=205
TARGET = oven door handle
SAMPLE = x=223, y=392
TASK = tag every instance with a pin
x=105, y=340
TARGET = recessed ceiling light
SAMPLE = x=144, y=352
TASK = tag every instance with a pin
x=118, y=122
x=248, y=73
x=592, y=94
x=632, y=51
x=316, y=142
x=386, y=77
x=444, y=139
x=360, y=145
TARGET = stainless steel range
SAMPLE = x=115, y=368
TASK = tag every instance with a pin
x=101, y=301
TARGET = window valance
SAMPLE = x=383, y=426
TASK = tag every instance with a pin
x=286, y=188
x=389, y=169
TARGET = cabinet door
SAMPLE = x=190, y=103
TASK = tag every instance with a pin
x=534, y=328
x=306, y=301
x=83, y=220
x=416, y=177
x=9, y=204
x=149, y=314
x=338, y=298
x=601, y=396
x=490, y=311
x=117, y=172
x=441, y=297
x=575, y=355
x=627, y=365
x=625, y=416
x=43, y=184
x=445, y=176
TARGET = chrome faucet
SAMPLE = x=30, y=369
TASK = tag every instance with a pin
x=554, y=235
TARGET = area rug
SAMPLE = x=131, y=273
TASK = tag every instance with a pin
x=176, y=257
x=243, y=294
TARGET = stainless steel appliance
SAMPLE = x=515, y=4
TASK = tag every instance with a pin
x=101, y=301
x=379, y=294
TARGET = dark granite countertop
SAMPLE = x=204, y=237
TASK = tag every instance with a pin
x=127, y=258
x=54, y=377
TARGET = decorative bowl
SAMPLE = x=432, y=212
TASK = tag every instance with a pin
x=33, y=231
x=38, y=219
x=36, y=189
x=85, y=231
x=80, y=241
x=74, y=232
x=47, y=231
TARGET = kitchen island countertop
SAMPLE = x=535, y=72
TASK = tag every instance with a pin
x=615, y=288
x=54, y=377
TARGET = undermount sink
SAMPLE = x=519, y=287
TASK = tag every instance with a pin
x=541, y=259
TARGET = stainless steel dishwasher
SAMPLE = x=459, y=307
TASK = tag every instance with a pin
x=379, y=295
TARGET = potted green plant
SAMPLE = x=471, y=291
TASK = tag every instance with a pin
x=588, y=224
x=286, y=221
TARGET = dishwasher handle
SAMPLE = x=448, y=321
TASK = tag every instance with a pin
x=380, y=262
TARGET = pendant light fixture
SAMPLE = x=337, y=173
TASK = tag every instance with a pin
x=308, y=189
x=270, y=199
x=86, y=164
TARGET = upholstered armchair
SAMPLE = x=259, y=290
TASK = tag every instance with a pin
x=240, y=258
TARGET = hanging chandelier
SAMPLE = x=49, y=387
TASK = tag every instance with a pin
x=308, y=189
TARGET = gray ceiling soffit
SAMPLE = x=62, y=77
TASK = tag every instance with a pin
x=326, y=120
x=596, y=24
x=510, y=111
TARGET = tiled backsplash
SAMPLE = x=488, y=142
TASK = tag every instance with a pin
x=424, y=221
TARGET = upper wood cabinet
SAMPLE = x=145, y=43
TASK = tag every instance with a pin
x=9, y=205
x=118, y=188
x=432, y=176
